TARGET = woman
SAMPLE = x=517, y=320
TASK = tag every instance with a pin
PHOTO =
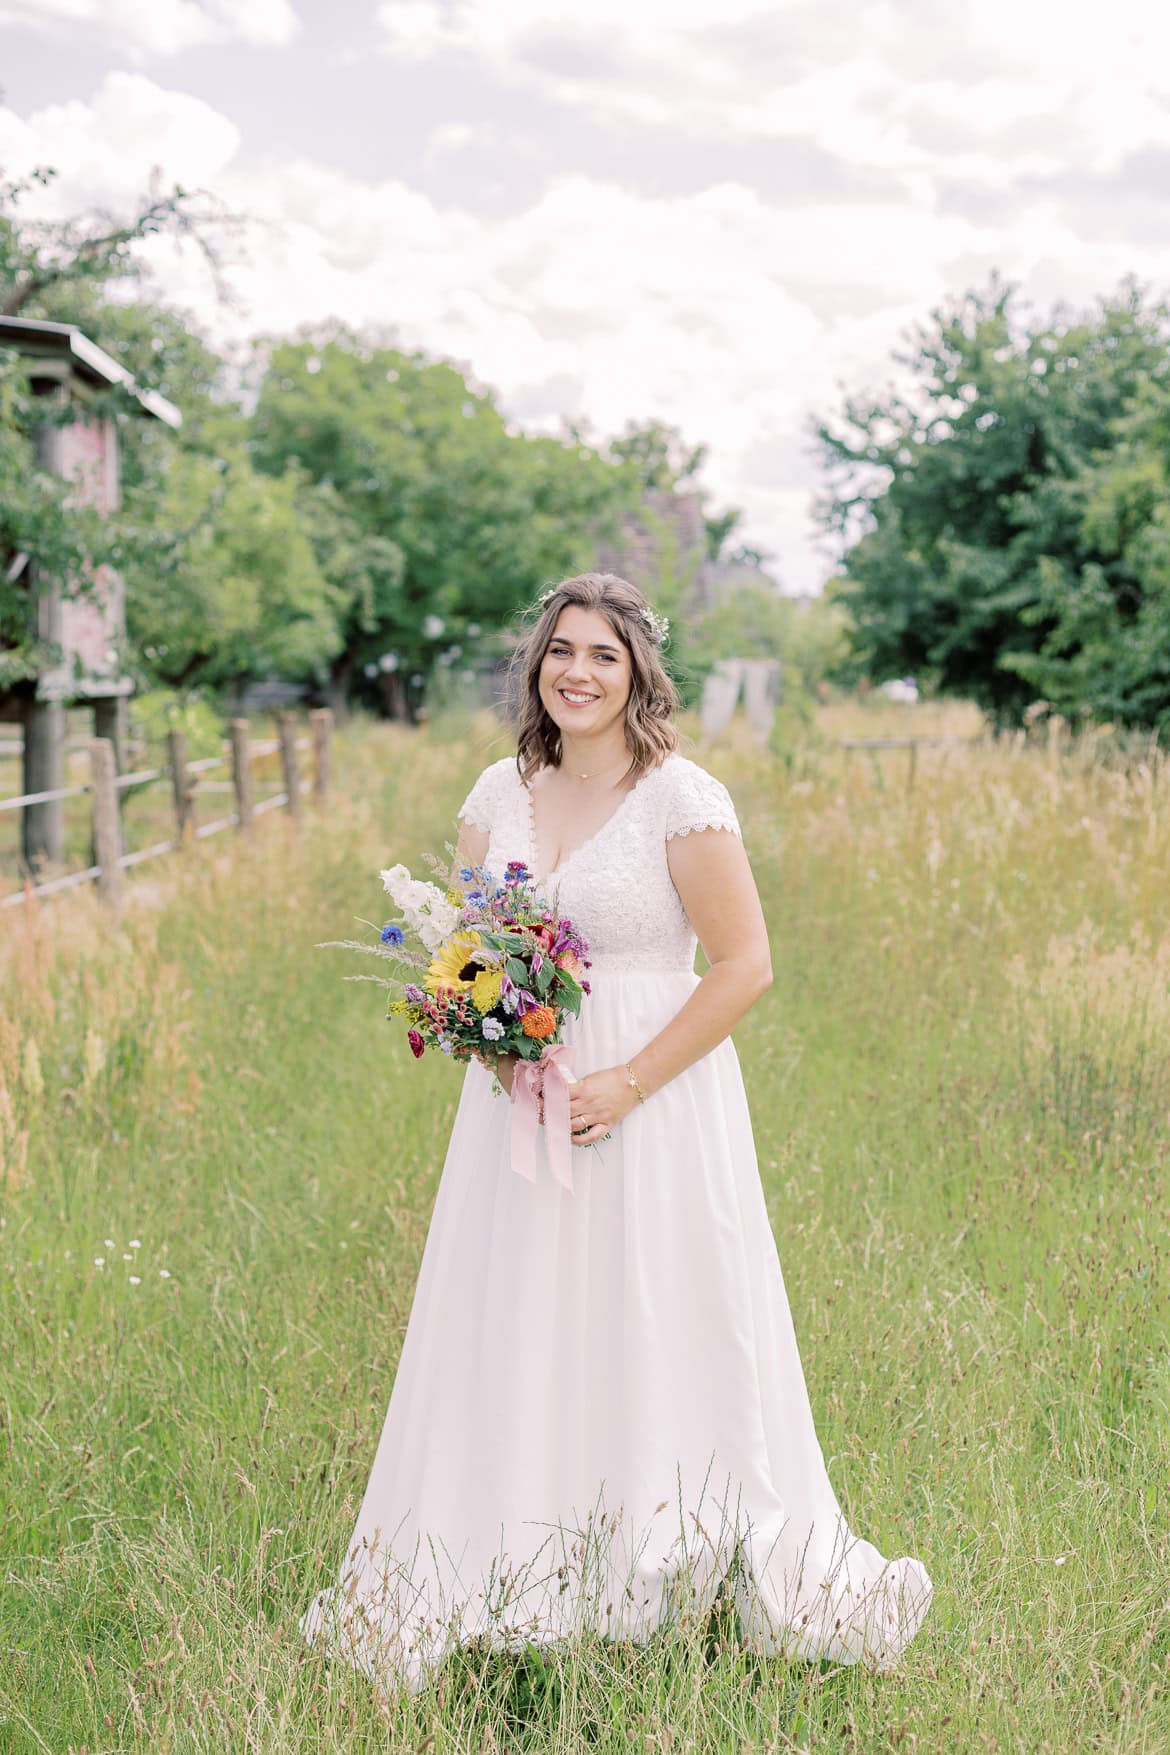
x=600, y=1413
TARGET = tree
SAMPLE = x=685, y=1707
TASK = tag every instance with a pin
x=40, y=257
x=979, y=553
x=473, y=519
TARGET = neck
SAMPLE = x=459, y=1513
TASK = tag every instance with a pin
x=607, y=754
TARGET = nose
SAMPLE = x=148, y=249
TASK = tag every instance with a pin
x=577, y=668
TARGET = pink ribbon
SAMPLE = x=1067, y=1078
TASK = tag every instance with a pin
x=550, y=1077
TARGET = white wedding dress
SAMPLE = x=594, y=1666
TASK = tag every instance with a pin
x=600, y=1412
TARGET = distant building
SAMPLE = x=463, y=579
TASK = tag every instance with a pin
x=666, y=540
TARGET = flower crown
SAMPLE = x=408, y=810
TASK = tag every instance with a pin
x=657, y=626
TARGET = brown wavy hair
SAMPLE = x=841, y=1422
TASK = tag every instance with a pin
x=653, y=697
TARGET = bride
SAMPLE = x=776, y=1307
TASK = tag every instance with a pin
x=600, y=1415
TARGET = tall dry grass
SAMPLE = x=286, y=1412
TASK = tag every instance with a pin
x=959, y=1085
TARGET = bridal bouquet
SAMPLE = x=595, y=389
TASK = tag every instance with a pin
x=496, y=969
x=496, y=972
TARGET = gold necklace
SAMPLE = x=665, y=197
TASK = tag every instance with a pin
x=590, y=776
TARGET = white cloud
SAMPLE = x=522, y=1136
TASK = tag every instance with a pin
x=106, y=148
x=159, y=27
x=736, y=313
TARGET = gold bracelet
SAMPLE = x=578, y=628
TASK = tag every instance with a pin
x=633, y=1081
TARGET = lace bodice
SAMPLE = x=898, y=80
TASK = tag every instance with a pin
x=616, y=886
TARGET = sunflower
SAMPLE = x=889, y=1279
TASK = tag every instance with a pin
x=451, y=965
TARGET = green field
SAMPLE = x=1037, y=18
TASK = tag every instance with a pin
x=960, y=1084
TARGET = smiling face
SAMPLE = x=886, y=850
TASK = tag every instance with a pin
x=584, y=674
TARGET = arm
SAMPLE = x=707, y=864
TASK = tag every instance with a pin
x=711, y=873
x=471, y=849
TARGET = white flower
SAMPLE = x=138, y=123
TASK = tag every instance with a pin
x=109, y=1242
x=126, y=1257
x=134, y=1243
x=164, y=1273
x=426, y=908
x=134, y=1280
x=99, y=1261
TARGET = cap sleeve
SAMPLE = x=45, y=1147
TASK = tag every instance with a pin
x=698, y=801
x=481, y=807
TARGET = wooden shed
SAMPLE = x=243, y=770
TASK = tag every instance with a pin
x=65, y=367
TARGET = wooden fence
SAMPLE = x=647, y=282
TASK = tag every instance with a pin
x=239, y=753
x=907, y=743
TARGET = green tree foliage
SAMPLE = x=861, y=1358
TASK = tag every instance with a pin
x=435, y=516
x=374, y=508
x=987, y=559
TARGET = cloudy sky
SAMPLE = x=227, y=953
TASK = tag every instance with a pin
x=714, y=212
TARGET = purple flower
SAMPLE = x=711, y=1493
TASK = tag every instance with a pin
x=525, y=1002
x=414, y=994
x=492, y=1029
x=537, y=964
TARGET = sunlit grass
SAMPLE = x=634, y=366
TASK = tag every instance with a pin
x=960, y=1083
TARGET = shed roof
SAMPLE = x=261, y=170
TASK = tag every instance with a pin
x=66, y=343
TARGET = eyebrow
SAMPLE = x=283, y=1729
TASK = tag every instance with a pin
x=596, y=645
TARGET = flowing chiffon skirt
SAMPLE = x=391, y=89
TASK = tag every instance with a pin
x=600, y=1412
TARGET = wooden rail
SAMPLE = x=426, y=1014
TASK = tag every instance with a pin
x=241, y=751
x=907, y=743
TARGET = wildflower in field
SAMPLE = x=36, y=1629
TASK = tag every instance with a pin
x=541, y=1021
x=392, y=934
x=99, y=1261
x=134, y=1243
x=164, y=1273
x=492, y=1029
x=134, y=1279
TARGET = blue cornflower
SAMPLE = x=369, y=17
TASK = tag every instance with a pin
x=392, y=935
x=466, y=873
x=476, y=898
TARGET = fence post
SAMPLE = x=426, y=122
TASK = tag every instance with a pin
x=242, y=773
x=182, y=786
x=321, y=721
x=286, y=726
x=107, y=839
x=912, y=767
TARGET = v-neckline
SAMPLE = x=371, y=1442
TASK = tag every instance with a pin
x=557, y=871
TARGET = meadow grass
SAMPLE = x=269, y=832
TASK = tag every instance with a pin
x=960, y=1087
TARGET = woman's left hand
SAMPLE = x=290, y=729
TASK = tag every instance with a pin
x=602, y=1099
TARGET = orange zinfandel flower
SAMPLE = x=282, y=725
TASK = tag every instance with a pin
x=538, y=1023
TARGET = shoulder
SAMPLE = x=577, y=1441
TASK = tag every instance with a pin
x=488, y=792
x=693, y=798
